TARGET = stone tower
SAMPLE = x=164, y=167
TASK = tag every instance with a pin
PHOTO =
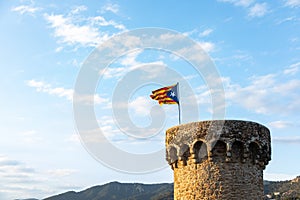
x=221, y=160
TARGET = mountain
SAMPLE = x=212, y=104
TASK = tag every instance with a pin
x=279, y=190
x=120, y=191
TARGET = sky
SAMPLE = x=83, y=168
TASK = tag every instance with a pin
x=252, y=49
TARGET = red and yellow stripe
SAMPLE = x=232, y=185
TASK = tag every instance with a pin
x=161, y=95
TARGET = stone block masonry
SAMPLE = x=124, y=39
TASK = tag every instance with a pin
x=218, y=160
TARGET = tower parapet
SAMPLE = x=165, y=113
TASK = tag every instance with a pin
x=218, y=159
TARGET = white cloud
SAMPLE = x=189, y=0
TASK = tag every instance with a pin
x=65, y=93
x=106, y=120
x=75, y=29
x=73, y=34
x=129, y=63
x=268, y=94
x=78, y=9
x=112, y=72
x=206, y=32
x=5, y=161
x=243, y=3
x=169, y=38
x=108, y=127
x=190, y=33
x=189, y=51
x=152, y=69
x=58, y=49
x=204, y=97
x=207, y=46
x=287, y=19
x=16, y=178
x=287, y=88
x=141, y=105
x=258, y=10
x=19, y=181
x=47, y=88
x=279, y=124
x=201, y=48
x=190, y=77
x=290, y=139
x=101, y=21
x=25, y=9
x=61, y=172
x=114, y=8
x=130, y=59
x=292, y=69
x=292, y=3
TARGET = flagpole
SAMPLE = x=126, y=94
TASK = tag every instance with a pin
x=179, y=112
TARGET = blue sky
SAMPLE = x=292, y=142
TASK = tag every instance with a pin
x=254, y=45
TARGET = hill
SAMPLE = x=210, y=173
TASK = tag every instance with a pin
x=283, y=190
x=120, y=191
x=279, y=190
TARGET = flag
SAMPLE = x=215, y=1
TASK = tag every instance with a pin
x=166, y=95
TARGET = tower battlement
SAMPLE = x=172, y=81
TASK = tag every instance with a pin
x=218, y=159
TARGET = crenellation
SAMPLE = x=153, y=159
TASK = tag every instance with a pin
x=218, y=159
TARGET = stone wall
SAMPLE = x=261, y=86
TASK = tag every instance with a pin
x=218, y=159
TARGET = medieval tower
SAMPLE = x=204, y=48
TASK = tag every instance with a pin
x=218, y=160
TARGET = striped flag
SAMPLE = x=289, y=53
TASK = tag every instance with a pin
x=166, y=95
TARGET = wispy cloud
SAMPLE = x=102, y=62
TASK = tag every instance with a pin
x=287, y=19
x=258, y=10
x=290, y=139
x=254, y=9
x=206, y=32
x=244, y=3
x=73, y=34
x=114, y=8
x=207, y=46
x=78, y=9
x=268, y=94
x=280, y=124
x=61, y=172
x=101, y=21
x=25, y=9
x=292, y=3
x=292, y=69
x=18, y=180
x=76, y=29
x=4, y=161
x=47, y=88
x=129, y=63
x=43, y=87
x=141, y=105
